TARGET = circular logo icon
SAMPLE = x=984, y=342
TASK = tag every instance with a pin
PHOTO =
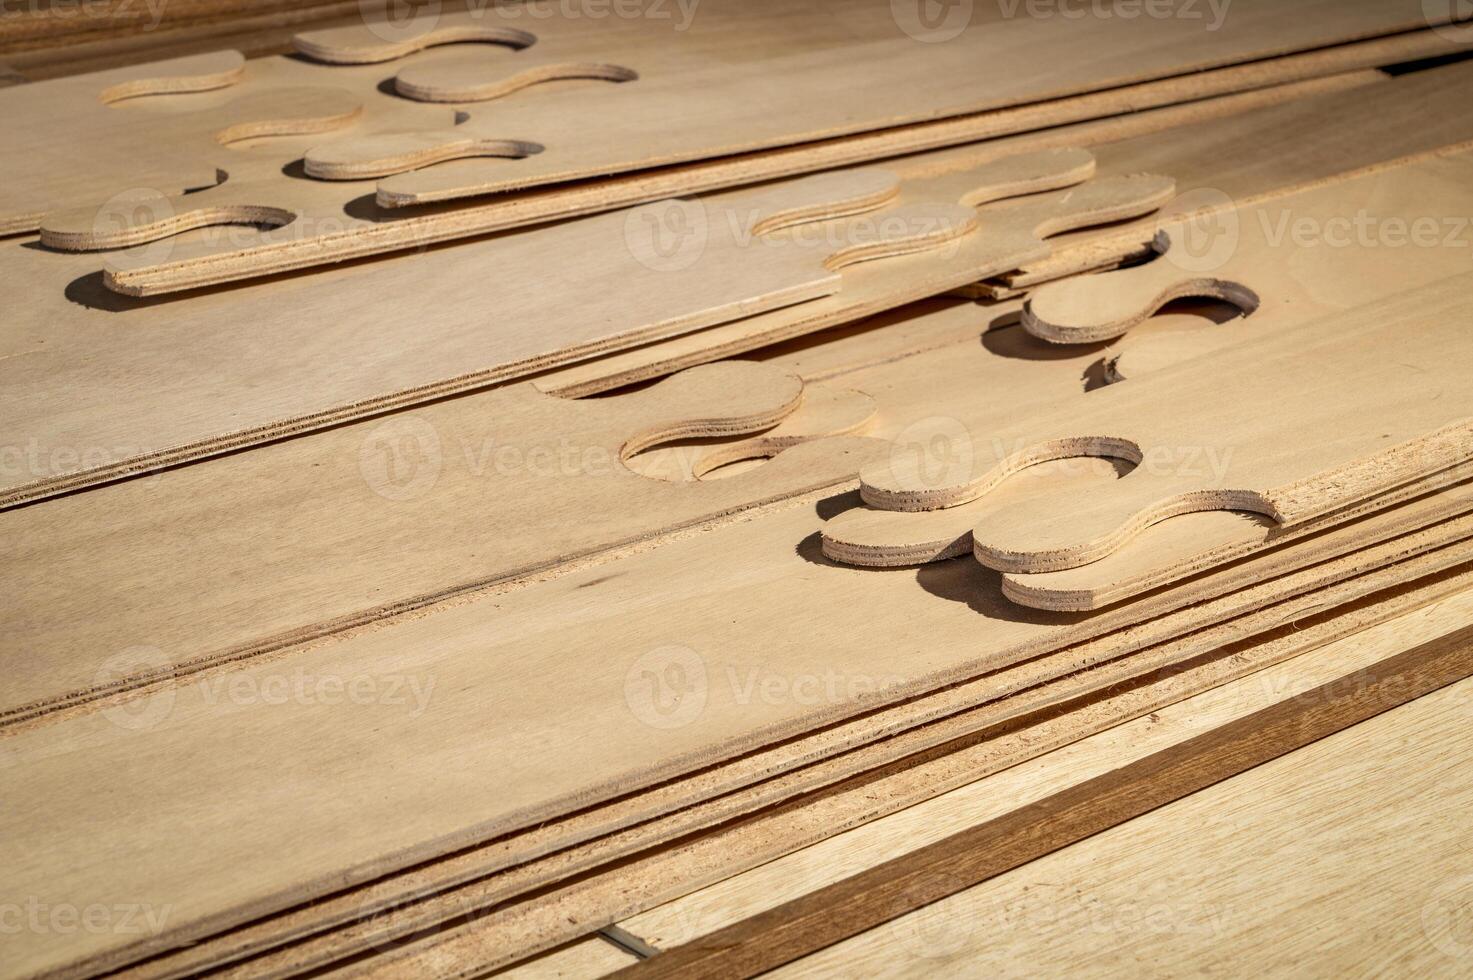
x=667, y=236
x=126, y=218
x=932, y=453
x=399, y=20
x=666, y=687
x=1205, y=237
x=150, y=708
x=401, y=459
x=1452, y=19
x=931, y=21
x=1447, y=918
x=929, y=927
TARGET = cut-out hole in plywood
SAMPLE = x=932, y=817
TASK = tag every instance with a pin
x=132, y=145
x=1270, y=440
x=653, y=272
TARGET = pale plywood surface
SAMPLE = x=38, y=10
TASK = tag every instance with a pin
x=520, y=927
x=630, y=889
x=326, y=231
x=843, y=855
x=169, y=565
x=197, y=574
x=1270, y=147
x=1353, y=855
x=591, y=957
x=1296, y=284
x=1368, y=361
x=904, y=618
x=159, y=397
x=363, y=522
x=752, y=330
x=130, y=149
x=993, y=66
x=440, y=713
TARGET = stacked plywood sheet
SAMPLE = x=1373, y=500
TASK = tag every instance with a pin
x=349, y=633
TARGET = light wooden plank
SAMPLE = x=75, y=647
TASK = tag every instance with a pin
x=983, y=66
x=1350, y=855
x=633, y=887
x=853, y=851
x=982, y=852
x=407, y=730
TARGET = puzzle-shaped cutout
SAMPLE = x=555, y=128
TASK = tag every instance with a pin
x=136, y=139
x=1195, y=454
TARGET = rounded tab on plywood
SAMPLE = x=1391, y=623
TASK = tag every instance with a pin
x=382, y=40
x=141, y=216
x=900, y=231
x=1025, y=173
x=870, y=538
x=480, y=80
x=889, y=539
x=1099, y=202
x=931, y=470
x=283, y=112
x=383, y=154
x=727, y=398
x=824, y=412
x=195, y=73
x=1051, y=532
x=1102, y=307
x=819, y=197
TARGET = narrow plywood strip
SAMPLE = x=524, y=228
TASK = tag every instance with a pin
x=938, y=870
x=1061, y=907
x=1240, y=893
x=191, y=265
x=1273, y=149
x=978, y=733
